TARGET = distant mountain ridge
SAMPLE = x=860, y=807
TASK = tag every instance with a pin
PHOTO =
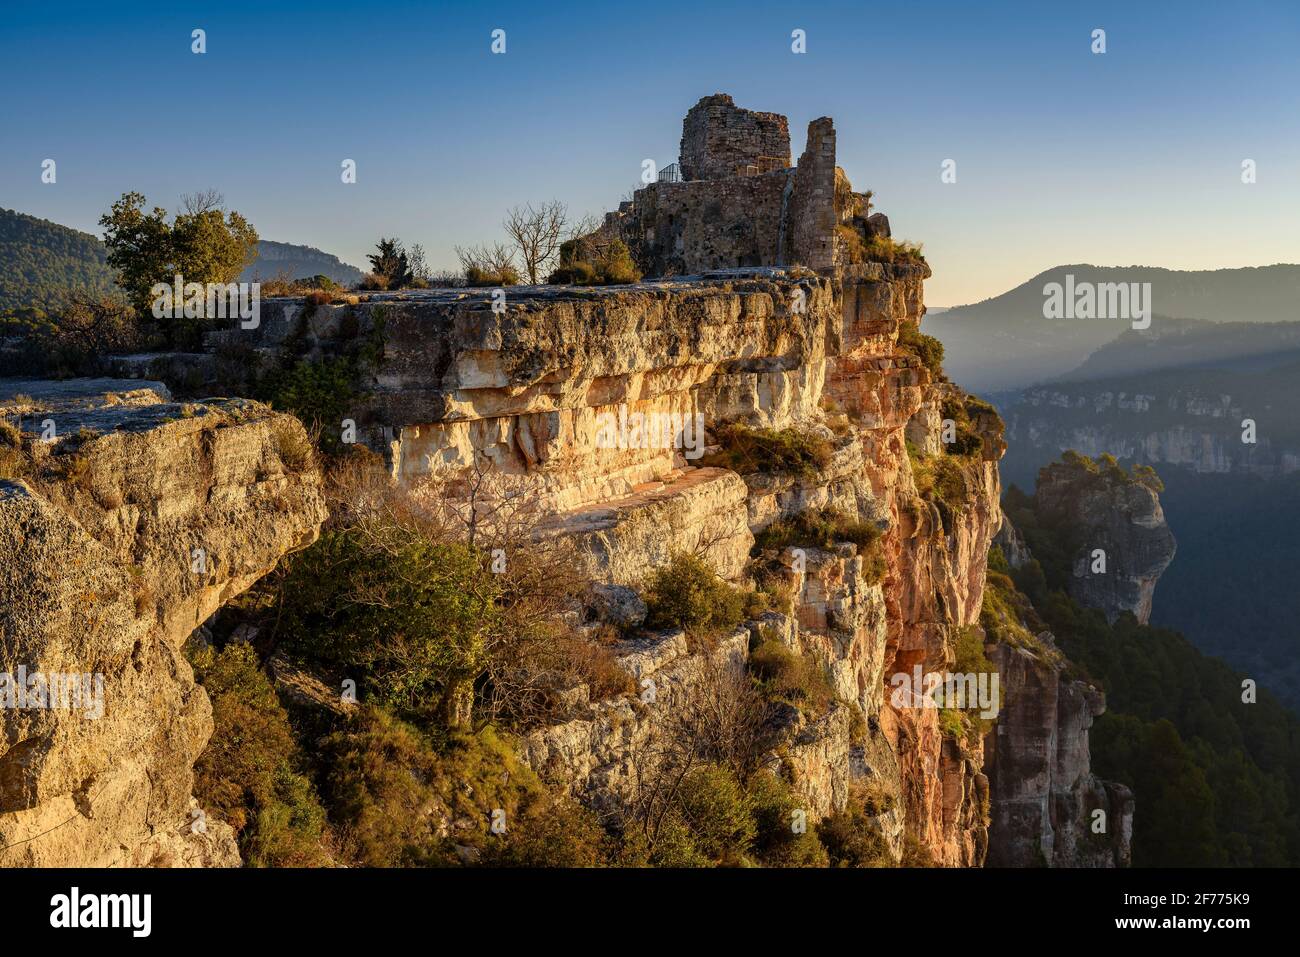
x=1190, y=343
x=298, y=262
x=1006, y=343
x=1176, y=397
x=40, y=260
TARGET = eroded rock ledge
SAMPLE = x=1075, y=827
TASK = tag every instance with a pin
x=122, y=533
x=522, y=390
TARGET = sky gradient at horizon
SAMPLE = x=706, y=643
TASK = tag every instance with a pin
x=1063, y=156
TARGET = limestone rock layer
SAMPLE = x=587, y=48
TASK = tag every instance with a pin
x=128, y=521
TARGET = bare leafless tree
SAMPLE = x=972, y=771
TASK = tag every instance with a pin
x=202, y=201
x=537, y=234
x=419, y=262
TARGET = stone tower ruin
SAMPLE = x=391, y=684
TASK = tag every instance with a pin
x=739, y=201
x=720, y=140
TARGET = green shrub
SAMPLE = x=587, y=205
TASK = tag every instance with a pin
x=776, y=842
x=818, y=528
x=379, y=789
x=580, y=273
x=717, y=812
x=616, y=266
x=851, y=837
x=407, y=615
x=966, y=441
x=551, y=833
x=857, y=724
x=774, y=585
x=915, y=853
x=613, y=267
x=1147, y=476
x=926, y=348
x=950, y=482
x=249, y=773
x=951, y=724
x=391, y=789
x=887, y=249
x=292, y=445
x=747, y=450
x=857, y=248
x=799, y=680
x=14, y=462
x=687, y=593
x=504, y=276
x=320, y=394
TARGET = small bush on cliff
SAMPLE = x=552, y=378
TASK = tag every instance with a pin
x=687, y=593
x=552, y=832
x=823, y=528
x=320, y=394
x=776, y=809
x=478, y=276
x=887, y=249
x=783, y=675
x=711, y=821
x=852, y=835
x=966, y=441
x=915, y=852
x=292, y=445
x=926, y=348
x=249, y=774
x=401, y=798
x=13, y=460
x=378, y=785
x=791, y=451
x=818, y=528
x=613, y=265
x=857, y=248
x=1146, y=475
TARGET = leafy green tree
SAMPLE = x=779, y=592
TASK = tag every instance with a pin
x=202, y=244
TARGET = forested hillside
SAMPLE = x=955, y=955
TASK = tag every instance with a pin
x=1217, y=779
x=39, y=260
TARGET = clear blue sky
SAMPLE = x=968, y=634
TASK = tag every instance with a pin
x=1062, y=156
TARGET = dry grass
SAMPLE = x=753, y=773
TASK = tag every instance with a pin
x=292, y=444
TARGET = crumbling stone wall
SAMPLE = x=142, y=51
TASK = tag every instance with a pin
x=720, y=140
x=696, y=226
x=811, y=215
x=741, y=203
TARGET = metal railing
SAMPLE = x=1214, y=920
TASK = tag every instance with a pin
x=672, y=173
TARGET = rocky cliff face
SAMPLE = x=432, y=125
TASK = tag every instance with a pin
x=1205, y=438
x=1120, y=541
x=530, y=392
x=1047, y=807
x=126, y=520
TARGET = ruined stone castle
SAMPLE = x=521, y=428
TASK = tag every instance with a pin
x=735, y=199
